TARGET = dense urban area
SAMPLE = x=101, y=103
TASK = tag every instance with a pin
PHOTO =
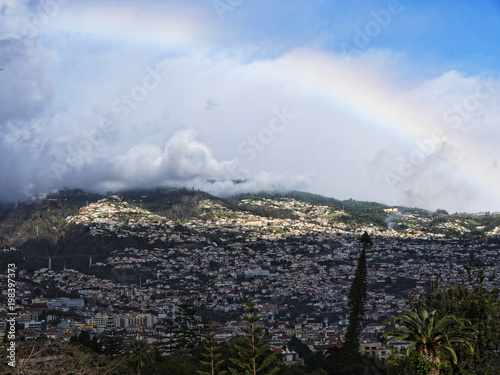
x=295, y=260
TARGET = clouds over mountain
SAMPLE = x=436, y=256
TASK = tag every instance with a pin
x=137, y=101
x=182, y=159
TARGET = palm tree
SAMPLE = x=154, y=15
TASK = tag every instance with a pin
x=140, y=354
x=431, y=336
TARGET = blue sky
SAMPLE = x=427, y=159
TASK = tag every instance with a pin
x=448, y=34
x=391, y=101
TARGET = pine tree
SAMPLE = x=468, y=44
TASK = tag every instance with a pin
x=167, y=327
x=350, y=354
x=253, y=356
x=212, y=355
x=111, y=341
x=184, y=330
x=189, y=328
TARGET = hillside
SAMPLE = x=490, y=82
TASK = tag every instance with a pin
x=41, y=219
x=149, y=251
x=44, y=227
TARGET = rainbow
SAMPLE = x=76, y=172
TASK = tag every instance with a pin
x=347, y=86
x=363, y=98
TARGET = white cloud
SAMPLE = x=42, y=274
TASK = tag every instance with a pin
x=353, y=120
x=182, y=159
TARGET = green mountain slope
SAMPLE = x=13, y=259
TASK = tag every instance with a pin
x=42, y=219
x=41, y=227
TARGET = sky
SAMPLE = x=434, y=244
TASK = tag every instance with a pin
x=395, y=102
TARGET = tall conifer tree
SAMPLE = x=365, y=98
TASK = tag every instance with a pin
x=212, y=355
x=253, y=355
x=351, y=357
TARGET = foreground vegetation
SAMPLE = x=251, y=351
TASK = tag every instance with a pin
x=454, y=330
x=451, y=330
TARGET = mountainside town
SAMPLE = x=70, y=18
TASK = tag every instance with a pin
x=297, y=268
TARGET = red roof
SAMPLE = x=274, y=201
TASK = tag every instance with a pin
x=216, y=324
x=241, y=324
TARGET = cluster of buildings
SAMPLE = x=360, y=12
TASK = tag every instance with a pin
x=298, y=271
